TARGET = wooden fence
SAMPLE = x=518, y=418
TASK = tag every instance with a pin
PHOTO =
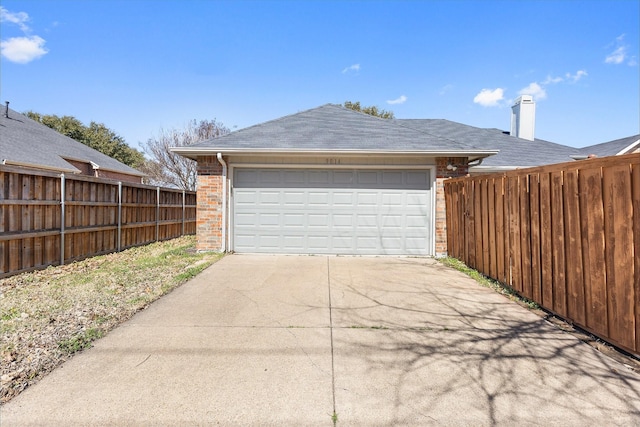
x=51, y=219
x=566, y=236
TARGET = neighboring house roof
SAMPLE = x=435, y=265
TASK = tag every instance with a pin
x=613, y=148
x=25, y=142
x=514, y=152
x=333, y=129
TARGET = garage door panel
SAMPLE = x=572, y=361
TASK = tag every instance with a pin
x=269, y=219
x=414, y=199
x=419, y=178
x=270, y=176
x=319, y=220
x=391, y=199
x=343, y=177
x=368, y=177
x=246, y=219
x=293, y=220
x=416, y=221
x=294, y=177
x=332, y=211
x=319, y=243
x=341, y=198
x=392, y=177
x=343, y=220
x=293, y=198
x=293, y=242
x=268, y=197
x=367, y=199
x=392, y=243
x=319, y=199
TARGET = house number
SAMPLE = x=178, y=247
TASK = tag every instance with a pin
x=333, y=161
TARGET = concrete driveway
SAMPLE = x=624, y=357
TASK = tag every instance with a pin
x=293, y=340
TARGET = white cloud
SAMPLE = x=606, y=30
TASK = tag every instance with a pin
x=577, y=76
x=20, y=49
x=23, y=49
x=446, y=88
x=620, y=54
x=355, y=68
x=489, y=97
x=20, y=18
x=534, y=89
x=550, y=80
x=617, y=56
x=401, y=100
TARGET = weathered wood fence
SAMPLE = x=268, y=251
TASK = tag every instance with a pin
x=51, y=219
x=566, y=236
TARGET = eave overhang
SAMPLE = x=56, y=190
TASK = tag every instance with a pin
x=193, y=153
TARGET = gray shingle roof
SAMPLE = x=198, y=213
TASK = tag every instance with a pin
x=612, y=148
x=27, y=142
x=331, y=128
x=514, y=152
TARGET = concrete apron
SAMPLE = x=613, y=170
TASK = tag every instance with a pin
x=293, y=340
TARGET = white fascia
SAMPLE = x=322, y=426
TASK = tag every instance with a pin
x=194, y=153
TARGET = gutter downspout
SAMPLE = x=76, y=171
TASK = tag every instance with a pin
x=224, y=202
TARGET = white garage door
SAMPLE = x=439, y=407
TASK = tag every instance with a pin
x=334, y=211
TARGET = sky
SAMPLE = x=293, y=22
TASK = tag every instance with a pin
x=143, y=66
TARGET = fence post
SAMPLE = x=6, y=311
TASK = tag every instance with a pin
x=157, y=214
x=62, y=217
x=183, y=210
x=119, y=216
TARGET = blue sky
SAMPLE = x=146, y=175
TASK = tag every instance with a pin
x=139, y=66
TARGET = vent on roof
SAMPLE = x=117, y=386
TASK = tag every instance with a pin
x=523, y=117
x=6, y=111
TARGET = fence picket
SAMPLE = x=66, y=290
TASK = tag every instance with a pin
x=567, y=236
x=49, y=219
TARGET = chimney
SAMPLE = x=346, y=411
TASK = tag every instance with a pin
x=6, y=112
x=523, y=117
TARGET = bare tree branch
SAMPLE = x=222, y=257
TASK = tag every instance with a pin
x=169, y=169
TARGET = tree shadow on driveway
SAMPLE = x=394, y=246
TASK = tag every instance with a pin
x=415, y=344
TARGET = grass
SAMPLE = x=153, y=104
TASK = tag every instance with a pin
x=488, y=282
x=80, y=341
x=49, y=315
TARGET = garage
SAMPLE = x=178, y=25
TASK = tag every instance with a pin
x=332, y=211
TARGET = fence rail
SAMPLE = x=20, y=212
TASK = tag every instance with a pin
x=51, y=219
x=565, y=236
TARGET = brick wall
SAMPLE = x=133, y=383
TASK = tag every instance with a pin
x=442, y=173
x=209, y=211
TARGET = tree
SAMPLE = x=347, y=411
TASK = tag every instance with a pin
x=167, y=168
x=372, y=110
x=96, y=135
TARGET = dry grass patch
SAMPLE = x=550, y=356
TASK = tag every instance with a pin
x=47, y=316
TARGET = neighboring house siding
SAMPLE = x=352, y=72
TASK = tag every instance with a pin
x=84, y=167
x=119, y=176
x=87, y=169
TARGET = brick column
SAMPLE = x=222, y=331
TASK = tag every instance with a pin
x=209, y=210
x=442, y=173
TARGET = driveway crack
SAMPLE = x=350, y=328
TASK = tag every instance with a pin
x=333, y=371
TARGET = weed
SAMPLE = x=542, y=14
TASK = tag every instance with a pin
x=80, y=341
x=334, y=418
x=488, y=282
x=12, y=313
